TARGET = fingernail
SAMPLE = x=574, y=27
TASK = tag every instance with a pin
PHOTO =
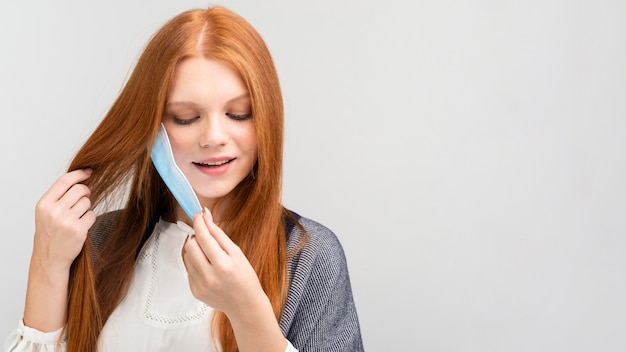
x=208, y=214
x=88, y=170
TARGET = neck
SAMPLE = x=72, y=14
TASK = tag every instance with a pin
x=216, y=209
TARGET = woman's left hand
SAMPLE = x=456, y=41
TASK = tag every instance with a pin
x=220, y=275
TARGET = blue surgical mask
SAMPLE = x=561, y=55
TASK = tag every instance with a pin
x=163, y=160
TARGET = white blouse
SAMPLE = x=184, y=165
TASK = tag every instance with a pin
x=159, y=313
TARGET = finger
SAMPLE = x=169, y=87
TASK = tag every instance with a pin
x=80, y=207
x=85, y=222
x=73, y=195
x=198, y=268
x=88, y=218
x=60, y=187
x=194, y=258
x=211, y=248
x=218, y=234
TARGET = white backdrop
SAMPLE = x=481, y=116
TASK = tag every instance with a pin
x=470, y=155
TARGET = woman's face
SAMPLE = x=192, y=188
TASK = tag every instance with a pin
x=209, y=122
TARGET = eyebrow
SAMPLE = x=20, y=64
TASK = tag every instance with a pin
x=192, y=104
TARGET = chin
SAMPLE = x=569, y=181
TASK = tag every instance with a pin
x=208, y=198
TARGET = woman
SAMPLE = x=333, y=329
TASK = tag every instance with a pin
x=244, y=275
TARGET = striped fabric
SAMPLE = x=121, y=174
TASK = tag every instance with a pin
x=319, y=314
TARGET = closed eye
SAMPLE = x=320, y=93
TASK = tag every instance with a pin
x=186, y=121
x=238, y=117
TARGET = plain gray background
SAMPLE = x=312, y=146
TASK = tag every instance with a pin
x=470, y=155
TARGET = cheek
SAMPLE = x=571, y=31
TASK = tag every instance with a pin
x=252, y=146
x=247, y=140
x=179, y=148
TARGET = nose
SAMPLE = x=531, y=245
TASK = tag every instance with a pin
x=214, y=131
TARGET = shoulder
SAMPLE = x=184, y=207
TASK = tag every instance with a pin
x=316, y=259
x=319, y=312
x=313, y=241
x=105, y=224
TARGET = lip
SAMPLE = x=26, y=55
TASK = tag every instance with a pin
x=219, y=165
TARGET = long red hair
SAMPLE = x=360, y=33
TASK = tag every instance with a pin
x=118, y=153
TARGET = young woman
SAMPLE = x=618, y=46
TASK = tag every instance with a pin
x=245, y=274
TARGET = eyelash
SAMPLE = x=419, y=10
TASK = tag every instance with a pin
x=185, y=121
x=239, y=117
x=235, y=117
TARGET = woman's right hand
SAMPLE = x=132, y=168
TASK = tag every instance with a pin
x=63, y=216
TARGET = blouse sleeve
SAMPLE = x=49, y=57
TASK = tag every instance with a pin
x=26, y=339
x=290, y=347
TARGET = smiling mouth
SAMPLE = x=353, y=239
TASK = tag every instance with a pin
x=215, y=164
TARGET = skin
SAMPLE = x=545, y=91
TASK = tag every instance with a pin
x=208, y=120
x=211, y=100
x=62, y=218
x=221, y=276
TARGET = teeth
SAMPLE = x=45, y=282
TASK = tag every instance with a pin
x=217, y=163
